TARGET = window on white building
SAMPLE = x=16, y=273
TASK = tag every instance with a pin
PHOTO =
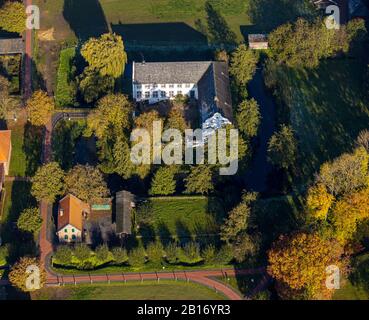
x=155, y=94
x=188, y=85
x=139, y=94
x=155, y=86
x=163, y=94
x=147, y=94
x=147, y=86
x=163, y=86
x=138, y=86
x=171, y=94
x=171, y=86
x=179, y=86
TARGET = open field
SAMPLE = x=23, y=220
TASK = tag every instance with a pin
x=140, y=19
x=182, y=217
x=149, y=290
x=327, y=108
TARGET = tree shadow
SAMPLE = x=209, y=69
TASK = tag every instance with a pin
x=164, y=234
x=182, y=232
x=32, y=147
x=86, y=18
x=219, y=31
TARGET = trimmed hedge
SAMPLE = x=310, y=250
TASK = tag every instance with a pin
x=66, y=89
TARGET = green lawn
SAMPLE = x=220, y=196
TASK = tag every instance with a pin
x=243, y=284
x=86, y=18
x=326, y=108
x=26, y=149
x=182, y=217
x=148, y=290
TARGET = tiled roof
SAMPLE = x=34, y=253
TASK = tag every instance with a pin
x=170, y=72
x=5, y=144
x=72, y=209
x=11, y=46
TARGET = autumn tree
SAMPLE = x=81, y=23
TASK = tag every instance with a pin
x=27, y=274
x=30, y=220
x=345, y=174
x=122, y=157
x=7, y=103
x=13, y=17
x=299, y=261
x=176, y=120
x=199, y=180
x=106, y=54
x=86, y=183
x=319, y=201
x=48, y=182
x=93, y=85
x=248, y=117
x=155, y=252
x=163, y=182
x=282, y=148
x=40, y=107
x=243, y=64
x=237, y=220
x=245, y=246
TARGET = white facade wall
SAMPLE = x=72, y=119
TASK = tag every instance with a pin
x=70, y=233
x=154, y=93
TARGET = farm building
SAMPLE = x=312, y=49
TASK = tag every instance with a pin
x=258, y=41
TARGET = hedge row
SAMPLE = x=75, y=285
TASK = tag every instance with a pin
x=66, y=89
x=81, y=257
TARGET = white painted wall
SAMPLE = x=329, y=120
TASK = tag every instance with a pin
x=69, y=231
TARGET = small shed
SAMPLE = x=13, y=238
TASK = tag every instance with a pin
x=11, y=46
x=124, y=202
x=258, y=41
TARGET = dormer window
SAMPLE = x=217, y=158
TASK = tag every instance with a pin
x=61, y=212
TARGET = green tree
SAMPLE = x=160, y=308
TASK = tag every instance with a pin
x=48, y=182
x=18, y=275
x=172, y=252
x=245, y=246
x=248, y=117
x=106, y=54
x=63, y=255
x=7, y=103
x=120, y=255
x=102, y=253
x=209, y=254
x=93, y=85
x=155, y=252
x=30, y=220
x=4, y=254
x=40, y=107
x=113, y=111
x=163, y=182
x=176, y=120
x=243, y=64
x=86, y=183
x=13, y=17
x=82, y=252
x=191, y=253
x=282, y=148
x=137, y=257
x=122, y=157
x=200, y=180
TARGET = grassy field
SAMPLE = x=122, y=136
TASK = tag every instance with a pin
x=326, y=108
x=85, y=18
x=148, y=290
x=26, y=149
x=182, y=217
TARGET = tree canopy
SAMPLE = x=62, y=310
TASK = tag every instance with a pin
x=30, y=220
x=48, y=182
x=13, y=16
x=248, y=117
x=40, y=107
x=86, y=183
x=106, y=54
x=163, y=182
x=200, y=180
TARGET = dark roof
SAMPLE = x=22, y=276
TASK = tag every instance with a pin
x=123, y=208
x=215, y=93
x=11, y=46
x=170, y=72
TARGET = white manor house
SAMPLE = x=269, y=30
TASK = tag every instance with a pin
x=205, y=81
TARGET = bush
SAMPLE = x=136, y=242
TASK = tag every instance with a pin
x=209, y=254
x=30, y=220
x=155, y=252
x=102, y=253
x=120, y=256
x=64, y=255
x=137, y=257
x=4, y=253
x=82, y=252
x=191, y=253
x=172, y=252
x=224, y=255
x=66, y=89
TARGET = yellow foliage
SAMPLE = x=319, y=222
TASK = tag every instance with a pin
x=40, y=107
x=319, y=201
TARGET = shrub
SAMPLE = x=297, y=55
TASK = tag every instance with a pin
x=120, y=256
x=171, y=253
x=191, y=253
x=137, y=257
x=102, y=253
x=4, y=253
x=224, y=255
x=66, y=89
x=82, y=252
x=209, y=254
x=30, y=220
x=64, y=255
x=155, y=252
